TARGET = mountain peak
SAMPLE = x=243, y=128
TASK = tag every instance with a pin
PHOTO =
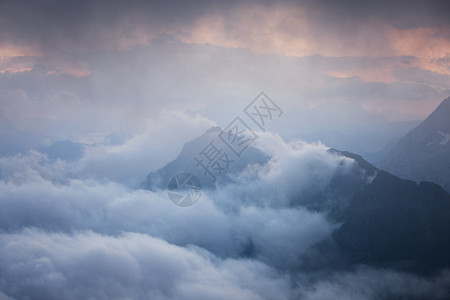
x=446, y=101
x=438, y=120
x=424, y=153
x=213, y=130
x=186, y=163
x=445, y=104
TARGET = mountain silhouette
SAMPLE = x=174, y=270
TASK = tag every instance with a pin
x=394, y=220
x=186, y=163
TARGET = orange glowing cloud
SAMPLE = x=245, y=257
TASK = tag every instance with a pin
x=282, y=29
x=374, y=74
x=429, y=45
x=21, y=59
x=276, y=30
x=291, y=31
x=14, y=51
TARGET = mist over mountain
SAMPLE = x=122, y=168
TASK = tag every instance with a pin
x=384, y=219
x=196, y=150
x=185, y=162
x=302, y=209
x=373, y=144
x=424, y=153
x=64, y=150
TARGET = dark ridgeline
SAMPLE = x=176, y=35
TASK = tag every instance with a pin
x=392, y=220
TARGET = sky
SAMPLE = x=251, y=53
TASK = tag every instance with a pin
x=133, y=81
x=80, y=70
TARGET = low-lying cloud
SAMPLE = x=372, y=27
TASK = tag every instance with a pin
x=68, y=233
x=39, y=265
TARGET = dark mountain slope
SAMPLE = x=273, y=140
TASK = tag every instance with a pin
x=393, y=219
x=424, y=153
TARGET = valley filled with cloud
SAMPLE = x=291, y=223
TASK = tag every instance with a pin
x=70, y=233
x=102, y=103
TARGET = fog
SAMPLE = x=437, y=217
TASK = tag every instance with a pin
x=95, y=96
x=68, y=232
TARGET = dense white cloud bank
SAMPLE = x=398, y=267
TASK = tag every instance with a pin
x=68, y=233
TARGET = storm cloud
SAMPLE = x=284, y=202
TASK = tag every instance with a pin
x=125, y=84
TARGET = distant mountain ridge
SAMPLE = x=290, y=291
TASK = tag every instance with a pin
x=373, y=145
x=424, y=153
x=64, y=150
